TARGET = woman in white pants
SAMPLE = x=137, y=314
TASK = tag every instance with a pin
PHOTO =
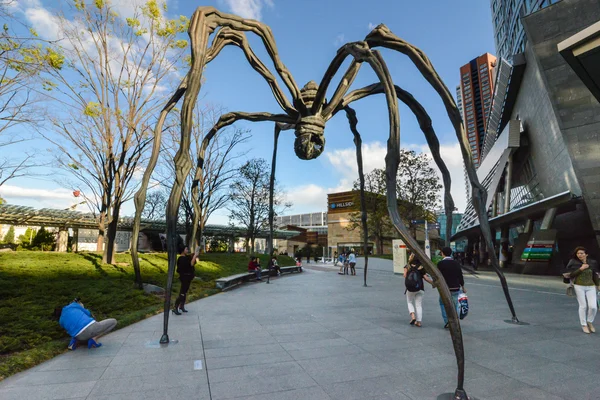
x=583, y=272
x=414, y=275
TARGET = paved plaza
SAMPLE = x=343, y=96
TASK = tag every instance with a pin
x=319, y=335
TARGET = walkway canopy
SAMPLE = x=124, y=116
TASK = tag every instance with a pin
x=11, y=214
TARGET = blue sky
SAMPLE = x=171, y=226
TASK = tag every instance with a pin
x=308, y=34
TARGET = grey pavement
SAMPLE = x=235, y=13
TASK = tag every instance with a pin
x=319, y=335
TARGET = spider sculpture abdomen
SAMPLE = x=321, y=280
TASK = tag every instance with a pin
x=310, y=138
x=310, y=129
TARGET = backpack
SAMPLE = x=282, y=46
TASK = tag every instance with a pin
x=413, y=280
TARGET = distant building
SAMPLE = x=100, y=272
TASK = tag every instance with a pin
x=509, y=35
x=475, y=95
x=441, y=218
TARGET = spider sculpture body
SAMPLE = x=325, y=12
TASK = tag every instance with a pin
x=307, y=114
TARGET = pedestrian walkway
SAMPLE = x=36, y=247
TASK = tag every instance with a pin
x=319, y=335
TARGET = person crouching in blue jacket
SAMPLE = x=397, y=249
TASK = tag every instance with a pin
x=81, y=326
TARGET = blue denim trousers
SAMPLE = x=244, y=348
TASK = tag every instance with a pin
x=454, y=300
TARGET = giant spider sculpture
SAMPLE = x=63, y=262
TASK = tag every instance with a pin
x=307, y=115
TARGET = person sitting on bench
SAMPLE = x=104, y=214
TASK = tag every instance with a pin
x=254, y=266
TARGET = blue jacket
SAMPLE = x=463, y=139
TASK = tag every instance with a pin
x=74, y=318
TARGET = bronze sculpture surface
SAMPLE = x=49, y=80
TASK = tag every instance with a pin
x=307, y=115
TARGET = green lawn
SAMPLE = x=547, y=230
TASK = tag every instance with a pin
x=33, y=283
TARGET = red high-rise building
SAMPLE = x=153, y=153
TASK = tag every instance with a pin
x=476, y=92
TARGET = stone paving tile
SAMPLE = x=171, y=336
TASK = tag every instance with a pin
x=51, y=392
x=59, y=376
x=148, y=383
x=193, y=391
x=346, y=368
x=253, y=371
x=68, y=363
x=249, y=359
x=323, y=352
x=315, y=344
x=306, y=337
x=310, y=393
x=368, y=388
x=299, y=328
x=557, y=351
x=148, y=369
x=580, y=388
x=526, y=394
x=268, y=384
x=241, y=350
x=547, y=374
x=494, y=385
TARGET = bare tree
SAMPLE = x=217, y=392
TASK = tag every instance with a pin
x=156, y=204
x=207, y=188
x=249, y=195
x=109, y=99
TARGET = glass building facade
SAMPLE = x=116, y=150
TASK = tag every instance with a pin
x=508, y=31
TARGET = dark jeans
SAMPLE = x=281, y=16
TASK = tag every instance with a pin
x=257, y=272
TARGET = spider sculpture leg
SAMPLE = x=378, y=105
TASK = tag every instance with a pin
x=140, y=196
x=353, y=121
x=361, y=52
x=272, y=189
x=381, y=36
x=429, y=133
x=202, y=24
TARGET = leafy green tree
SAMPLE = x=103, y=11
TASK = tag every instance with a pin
x=418, y=192
x=26, y=239
x=44, y=240
x=9, y=237
x=378, y=222
x=108, y=97
x=418, y=188
x=23, y=55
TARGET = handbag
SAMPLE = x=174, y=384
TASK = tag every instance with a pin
x=571, y=291
x=463, y=305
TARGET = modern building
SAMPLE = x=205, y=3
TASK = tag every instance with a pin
x=441, y=218
x=476, y=90
x=509, y=35
x=340, y=231
x=317, y=219
x=541, y=158
x=343, y=209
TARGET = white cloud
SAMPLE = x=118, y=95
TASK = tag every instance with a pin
x=21, y=192
x=339, y=40
x=372, y=26
x=59, y=198
x=250, y=9
x=312, y=198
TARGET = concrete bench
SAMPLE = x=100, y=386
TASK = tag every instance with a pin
x=229, y=282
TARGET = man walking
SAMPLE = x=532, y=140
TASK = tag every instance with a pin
x=452, y=273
